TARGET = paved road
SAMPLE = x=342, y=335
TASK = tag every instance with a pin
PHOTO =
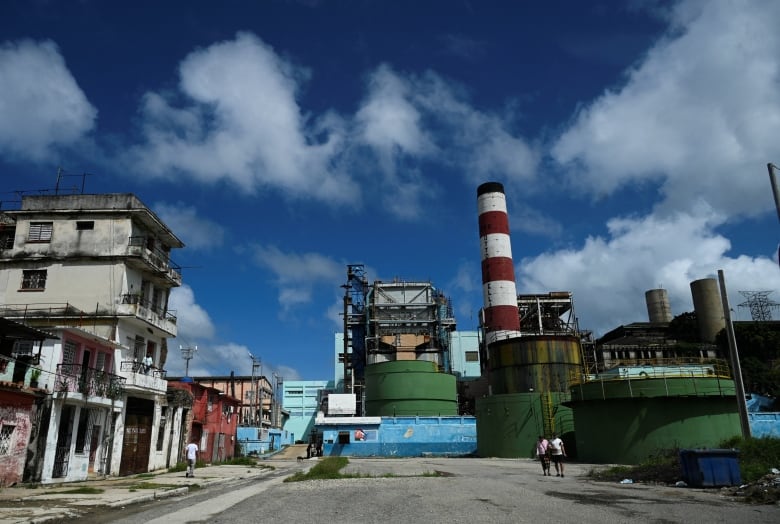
x=468, y=491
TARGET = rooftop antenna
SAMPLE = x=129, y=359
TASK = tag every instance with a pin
x=187, y=353
x=62, y=174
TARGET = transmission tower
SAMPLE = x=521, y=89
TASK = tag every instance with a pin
x=759, y=304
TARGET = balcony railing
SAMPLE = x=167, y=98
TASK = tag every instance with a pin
x=164, y=314
x=158, y=259
x=131, y=366
x=89, y=381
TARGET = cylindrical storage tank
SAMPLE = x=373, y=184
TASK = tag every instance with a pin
x=642, y=417
x=508, y=425
x=409, y=388
x=708, y=307
x=658, y=308
x=534, y=363
x=499, y=292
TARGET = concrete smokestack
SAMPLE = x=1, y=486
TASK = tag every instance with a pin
x=658, y=308
x=499, y=291
x=709, y=308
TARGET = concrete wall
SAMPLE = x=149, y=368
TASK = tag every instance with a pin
x=764, y=424
x=402, y=437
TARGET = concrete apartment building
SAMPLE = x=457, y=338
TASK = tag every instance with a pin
x=95, y=271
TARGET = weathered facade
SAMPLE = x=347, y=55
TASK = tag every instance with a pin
x=212, y=421
x=99, y=265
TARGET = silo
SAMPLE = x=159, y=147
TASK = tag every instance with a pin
x=708, y=307
x=658, y=308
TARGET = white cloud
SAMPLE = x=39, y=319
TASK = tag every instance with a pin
x=296, y=275
x=236, y=118
x=609, y=276
x=408, y=120
x=41, y=105
x=192, y=321
x=700, y=113
x=196, y=232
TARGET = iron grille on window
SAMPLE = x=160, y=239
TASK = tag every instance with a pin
x=6, y=436
x=34, y=279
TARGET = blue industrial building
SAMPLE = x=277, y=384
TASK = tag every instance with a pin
x=300, y=398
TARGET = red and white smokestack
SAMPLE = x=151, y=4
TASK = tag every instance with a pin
x=499, y=292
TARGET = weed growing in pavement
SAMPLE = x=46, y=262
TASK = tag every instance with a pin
x=330, y=468
x=757, y=456
x=152, y=485
x=83, y=490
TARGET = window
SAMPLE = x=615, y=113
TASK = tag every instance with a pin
x=7, y=237
x=472, y=356
x=22, y=348
x=84, y=225
x=34, y=279
x=6, y=439
x=69, y=352
x=161, y=430
x=82, y=435
x=40, y=232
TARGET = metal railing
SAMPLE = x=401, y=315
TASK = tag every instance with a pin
x=137, y=245
x=131, y=366
x=90, y=381
x=135, y=298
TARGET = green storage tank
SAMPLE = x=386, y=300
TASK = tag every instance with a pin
x=509, y=425
x=409, y=388
x=627, y=421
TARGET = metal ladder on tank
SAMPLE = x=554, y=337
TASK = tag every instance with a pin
x=548, y=414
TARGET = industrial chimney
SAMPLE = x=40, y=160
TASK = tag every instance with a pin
x=708, y=307
x=499, y=291
x=658, y=308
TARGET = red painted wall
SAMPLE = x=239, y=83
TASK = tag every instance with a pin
x=16, y=409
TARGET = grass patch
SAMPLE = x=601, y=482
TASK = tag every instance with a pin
x=83, y=490
x=330, y=468
x=151, y=485
x=327, y=468
x=240, y=461
x=757, y=456
x=663, y=468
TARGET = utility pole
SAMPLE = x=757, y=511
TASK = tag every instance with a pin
x=736, y=369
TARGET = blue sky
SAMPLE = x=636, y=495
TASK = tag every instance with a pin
x=283, y=140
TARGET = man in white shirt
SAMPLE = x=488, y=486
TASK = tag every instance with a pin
x=192, y=457
x=557, y=452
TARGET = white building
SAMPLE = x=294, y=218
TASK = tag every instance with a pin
x=96, y=270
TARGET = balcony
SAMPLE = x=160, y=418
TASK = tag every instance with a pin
x=154, y=259
x=133, y=304
x=139, y=379
x=88, y=381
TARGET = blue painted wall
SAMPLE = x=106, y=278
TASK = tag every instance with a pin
x=403, y=437
x=299, y=398
x=251, y=442
x=764, y=424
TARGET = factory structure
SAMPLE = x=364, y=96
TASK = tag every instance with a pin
x=85, y=331
x=398, y=391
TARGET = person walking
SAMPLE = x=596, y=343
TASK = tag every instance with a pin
x=542, y=453
x=557, y=452
x=192, y=457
